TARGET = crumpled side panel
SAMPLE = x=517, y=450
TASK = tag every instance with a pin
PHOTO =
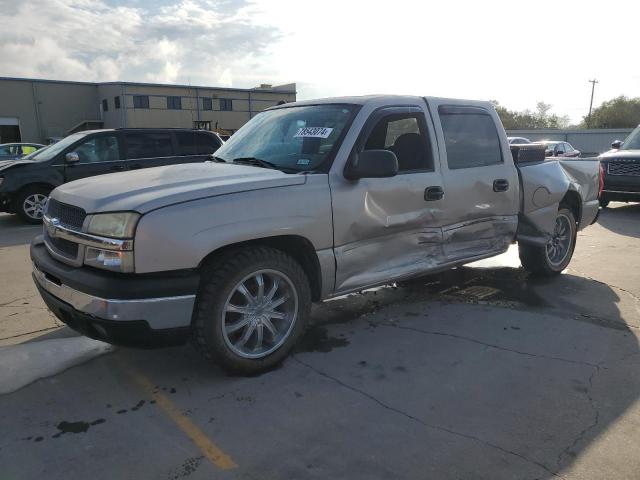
x=545, y=184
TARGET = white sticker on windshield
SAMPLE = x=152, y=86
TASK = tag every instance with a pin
x=313, y=132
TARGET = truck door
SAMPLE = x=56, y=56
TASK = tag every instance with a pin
x=387, y=228
x=97, y=155
x=481, y=182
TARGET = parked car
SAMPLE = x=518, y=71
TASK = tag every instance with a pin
x=559, y=149
x=621, y=170
x=307, y=201
x=14, y=151
x=26, y=183
x=518, y=140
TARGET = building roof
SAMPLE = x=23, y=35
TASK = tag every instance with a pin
x=276, y=88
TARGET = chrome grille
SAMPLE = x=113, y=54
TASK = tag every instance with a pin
x=62, y=246
x=624, y=168
x=68, y=215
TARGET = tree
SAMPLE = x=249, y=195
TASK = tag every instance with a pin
x=619, y=112
x=527, y=119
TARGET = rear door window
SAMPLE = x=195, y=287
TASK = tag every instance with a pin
x=187, y=143
x=207, y=144
x=471, y=137
x=149, y=145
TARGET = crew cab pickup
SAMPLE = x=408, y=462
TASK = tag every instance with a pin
x=307, y=201
x=621, y=170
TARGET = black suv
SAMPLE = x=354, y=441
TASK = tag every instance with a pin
x=25, y=184
x=621, y=168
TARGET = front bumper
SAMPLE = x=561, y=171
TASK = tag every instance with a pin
x=83, y=299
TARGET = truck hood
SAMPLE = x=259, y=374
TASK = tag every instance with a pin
x=151, y=188
x=620, y=155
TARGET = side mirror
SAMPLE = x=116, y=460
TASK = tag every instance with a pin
x=72, y=157
x=373, y=164
x=616, y=144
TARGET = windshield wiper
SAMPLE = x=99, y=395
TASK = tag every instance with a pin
x=217, y=159
x=257, y=162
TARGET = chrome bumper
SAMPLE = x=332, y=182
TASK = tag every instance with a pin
x=159, y=313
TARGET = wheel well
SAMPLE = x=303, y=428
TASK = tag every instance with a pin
x=47, y=186
x=296, y=246
x=573, y=202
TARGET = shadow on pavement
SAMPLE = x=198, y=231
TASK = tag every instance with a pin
x=622, y=218
x=472, y=373
x=14, y=231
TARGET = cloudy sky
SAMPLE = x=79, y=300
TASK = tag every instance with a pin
x=513, y=51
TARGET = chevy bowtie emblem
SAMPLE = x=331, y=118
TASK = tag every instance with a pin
x=52, y=226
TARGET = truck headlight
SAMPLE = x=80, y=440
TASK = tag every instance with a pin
x=115, y=225
x=114, y=260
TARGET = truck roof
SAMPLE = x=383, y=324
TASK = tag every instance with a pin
x=382, y=100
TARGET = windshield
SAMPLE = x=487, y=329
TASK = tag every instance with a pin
x=51, y=151
x=633, y=140
x=293, y=138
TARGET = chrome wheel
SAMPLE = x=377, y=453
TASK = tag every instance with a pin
x=560, y=244
x=33, y=205
x=259, y=314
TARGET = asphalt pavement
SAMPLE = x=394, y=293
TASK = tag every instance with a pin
x=479, y=372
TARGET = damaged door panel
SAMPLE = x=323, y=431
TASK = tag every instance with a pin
x=388, y=228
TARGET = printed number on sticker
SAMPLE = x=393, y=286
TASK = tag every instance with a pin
x=314, y=132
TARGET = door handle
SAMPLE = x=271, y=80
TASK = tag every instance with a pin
x=500, y=185
x=117, y=167
x=433, y=193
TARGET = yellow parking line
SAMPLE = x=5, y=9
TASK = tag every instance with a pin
x=206, y=446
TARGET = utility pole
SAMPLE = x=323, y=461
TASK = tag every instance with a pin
x=593, y=87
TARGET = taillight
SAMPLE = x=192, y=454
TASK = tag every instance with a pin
x=601, y=186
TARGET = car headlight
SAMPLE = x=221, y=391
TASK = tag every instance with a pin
x=115, y=225
x=120, y=225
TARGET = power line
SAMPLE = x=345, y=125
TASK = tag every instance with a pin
x=593, y=87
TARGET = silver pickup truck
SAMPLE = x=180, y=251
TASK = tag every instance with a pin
x=307, y=201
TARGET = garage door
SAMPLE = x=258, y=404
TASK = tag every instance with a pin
x=9, y=130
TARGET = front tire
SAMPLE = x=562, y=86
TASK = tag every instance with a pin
x=30, y=203
x=251, y=308
x=553, y=258
x=604, y=202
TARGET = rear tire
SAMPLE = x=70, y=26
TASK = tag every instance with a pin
x=604, y=202
x=553, y=258
x=241, y=320
x=29, y=203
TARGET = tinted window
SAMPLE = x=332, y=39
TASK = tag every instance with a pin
x=105, y=105
x=140, y=101
x=174, y=103
x=226, y=104
x=402, y=134
x=207, y=143
x=186, y=143
x=471, y=139
x=149, y=145
x=207, y=104
x=116, y=102
x=98, y=149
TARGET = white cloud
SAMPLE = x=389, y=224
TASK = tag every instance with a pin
x=193, y=41
x=514, y=52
